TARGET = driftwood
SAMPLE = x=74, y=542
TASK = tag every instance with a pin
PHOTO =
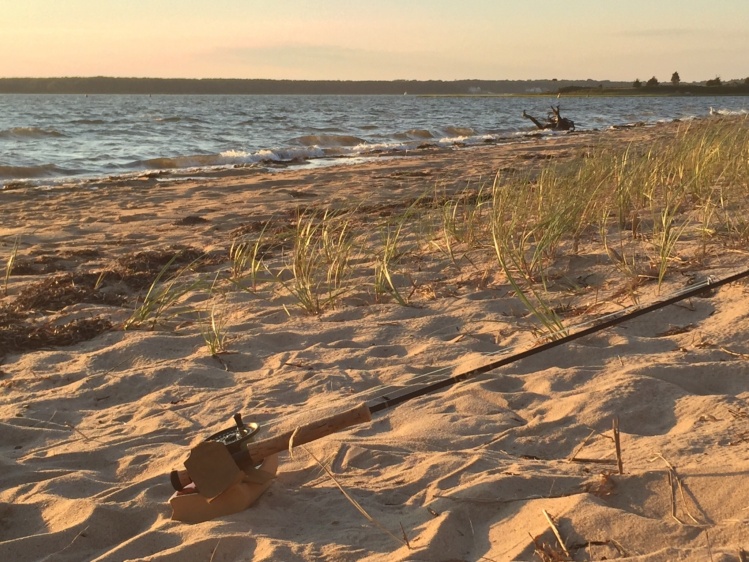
x=554, y=121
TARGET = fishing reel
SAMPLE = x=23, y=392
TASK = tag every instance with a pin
x=235, y=440
x=235, y=437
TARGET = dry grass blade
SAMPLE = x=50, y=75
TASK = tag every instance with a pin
x=11, y=262
x=581, y=446
x=734, y=353
x=291, y=443
x=676, y=484
x=672, y=496
x=215, y=548
x=618, y=446
x=556, y=532
x=356, y=504
x=583, y=460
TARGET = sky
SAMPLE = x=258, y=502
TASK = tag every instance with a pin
x=376, y=39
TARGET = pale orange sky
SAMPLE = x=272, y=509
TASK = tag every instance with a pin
x=376, y=39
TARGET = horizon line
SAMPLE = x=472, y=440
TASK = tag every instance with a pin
x=89, y=77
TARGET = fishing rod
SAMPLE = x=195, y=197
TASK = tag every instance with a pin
x=243, y=450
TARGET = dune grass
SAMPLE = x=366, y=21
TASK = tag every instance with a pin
x=641, y=203
x=246, y=258
x=164, y=294
x=640, y=210
x=635, y=217
x=213, y=330
x=315, y=269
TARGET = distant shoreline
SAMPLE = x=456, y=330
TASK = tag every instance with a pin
x=185, y=86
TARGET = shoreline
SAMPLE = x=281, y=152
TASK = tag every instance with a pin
x=158, y=136
x=450, y=156
x=92, y=429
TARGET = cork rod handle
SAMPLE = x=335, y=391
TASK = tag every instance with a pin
x=309, y=432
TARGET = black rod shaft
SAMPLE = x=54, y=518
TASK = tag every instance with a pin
x=385, y=402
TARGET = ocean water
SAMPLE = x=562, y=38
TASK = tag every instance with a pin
x=46, y=139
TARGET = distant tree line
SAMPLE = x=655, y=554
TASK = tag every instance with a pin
x=676, y=87
x=108, y=85
x=728, y=87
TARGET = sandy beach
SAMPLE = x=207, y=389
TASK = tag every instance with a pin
x=106, y=386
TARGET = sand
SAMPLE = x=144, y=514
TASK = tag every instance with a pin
x=90, y=431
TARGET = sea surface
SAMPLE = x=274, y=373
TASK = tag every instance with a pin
x=48, y=139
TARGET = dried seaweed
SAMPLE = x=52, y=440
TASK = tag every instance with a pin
x=190, y=220
x=38, y=266
x=153, y=261
x=19, y=334
x=137, y=270
x=59, y=291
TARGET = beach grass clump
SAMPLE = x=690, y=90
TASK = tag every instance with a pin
x=214, y=331
x=398, y=239
x=700, y=172
x=643, y=200
x=164, y=295
x=246, y=255
x=463, y=222
x=317, y=264
x=518, y=249
x=725, y=199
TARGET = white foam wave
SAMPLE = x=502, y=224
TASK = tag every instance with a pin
x=728, y=112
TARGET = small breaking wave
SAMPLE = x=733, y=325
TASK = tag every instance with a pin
x=168, y=163
x=415, y=134
x=29, y=133
x=328, y=140
x=459, y=131
x=33, y=172
x=727, y=112
x=230, y=158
